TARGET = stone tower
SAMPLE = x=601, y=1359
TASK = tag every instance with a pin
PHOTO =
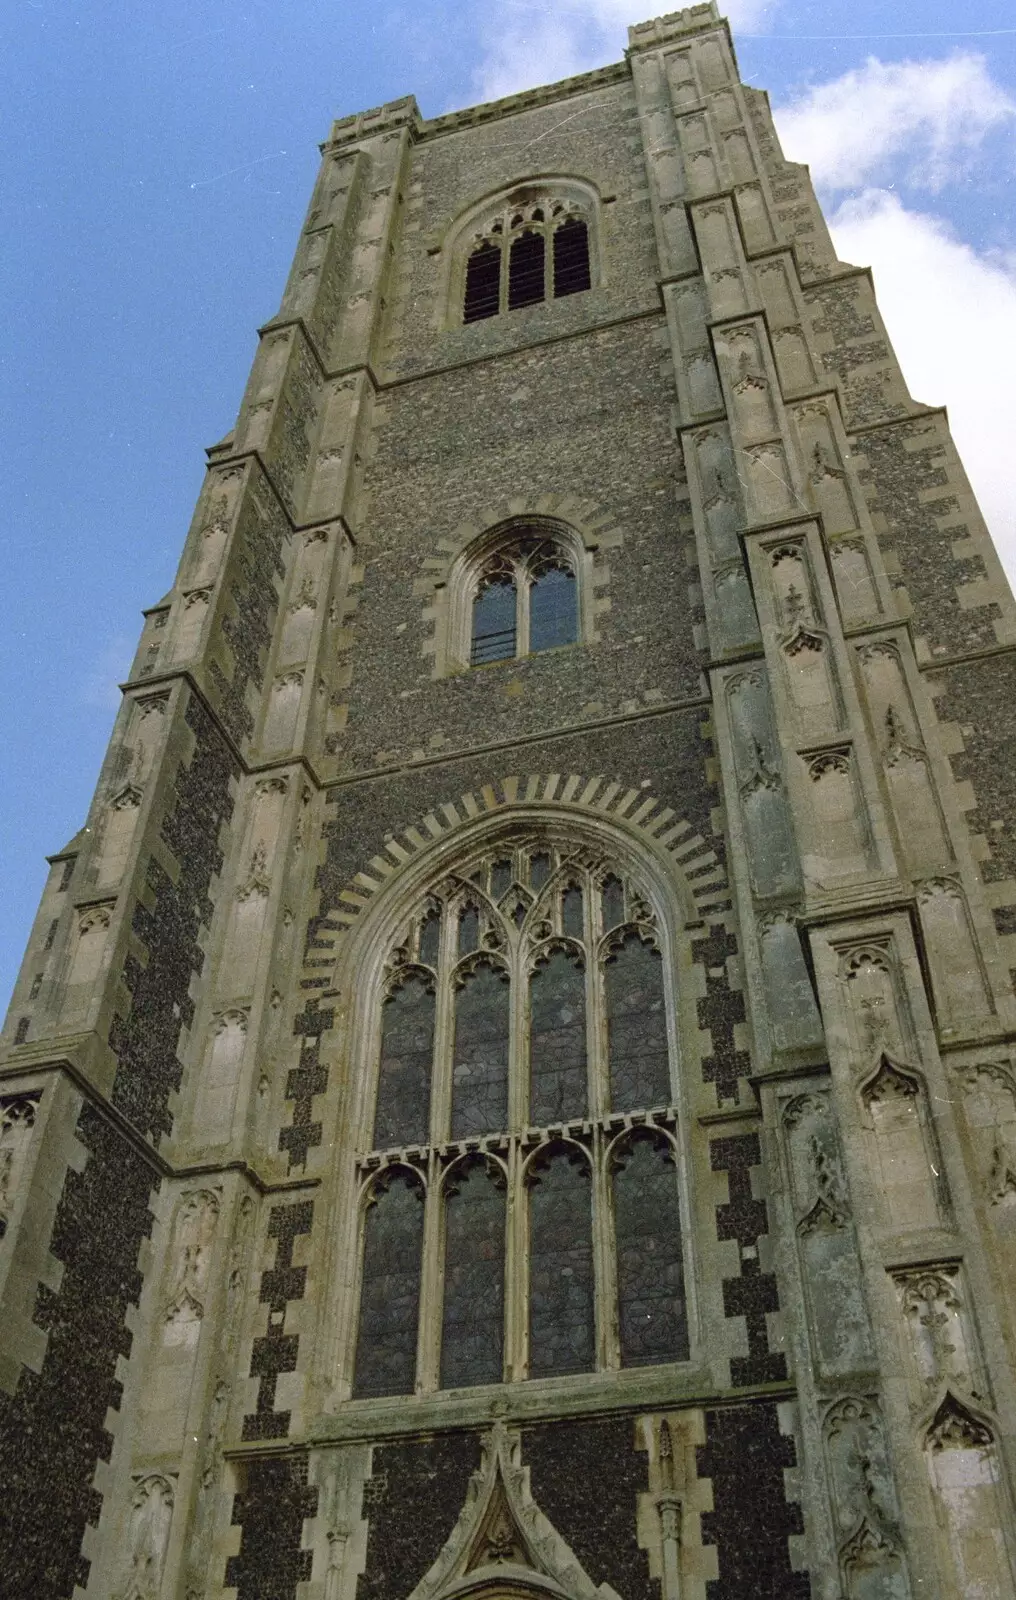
x=511, y=1092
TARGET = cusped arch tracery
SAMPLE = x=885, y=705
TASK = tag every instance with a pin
x=596, y=807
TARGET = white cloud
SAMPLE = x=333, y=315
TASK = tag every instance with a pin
x=951, y=315
x=926, y=117
x=539, y=41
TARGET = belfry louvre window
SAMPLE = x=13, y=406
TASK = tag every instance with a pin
x=525, y=599
x=525, y=254
x=521, y=1215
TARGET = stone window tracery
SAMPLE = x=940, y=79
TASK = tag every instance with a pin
x=518, y=1166
x=535, y=247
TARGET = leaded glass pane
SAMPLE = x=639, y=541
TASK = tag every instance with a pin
x=500, y=879
x=553, y=610
x=390, y=1295
x=472, y=1335
x=539, y=869
x=480, y=1062
x=637, y=1027
x=613, y=903
x=430, y=938
x=469, y=930
x=494, y=623
x=653, y=1316
x=557, y=1041
x=561, y=1336
x=402, y=1115
x=571, y=913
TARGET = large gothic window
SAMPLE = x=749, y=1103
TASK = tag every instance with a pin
x=524, y=252
x=523, y=1110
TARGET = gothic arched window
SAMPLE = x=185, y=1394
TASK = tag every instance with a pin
x=524, y=1089
x=525, y=598
x=534, y=247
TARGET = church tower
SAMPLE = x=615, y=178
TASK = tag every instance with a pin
x=511, y=1092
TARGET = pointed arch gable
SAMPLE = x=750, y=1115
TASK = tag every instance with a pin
x=502, y=1541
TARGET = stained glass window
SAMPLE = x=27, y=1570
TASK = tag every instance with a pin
x=571, y=912
x=480, y=1058
x=407, y=1047
x=494, y=625
x=553, y=610
x=637, y=1027
x=650, y=1269
x=472, y=1329
x=561, y=1336
x=389, y=1298
x=557, y=1040
x=430, y=938
x=613, y=902
x=469, y=930
x=527, y=991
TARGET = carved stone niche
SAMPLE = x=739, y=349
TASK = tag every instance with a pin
x=90, y=949
x=871, y=982
x=808, y=670
x=502, y=1542
x=989, y=1105
x=963, y=1466
x=962, y=993
x=865, y=1508
x=190, y=1261
x=905, y=1166
x=17, y=1121
x=919, y=818
x=856, y=589
x=769, y=837
x=838, y=1319
x=839, y=838
x=148, y=1526
x=793, y=1013
x=938, y=1328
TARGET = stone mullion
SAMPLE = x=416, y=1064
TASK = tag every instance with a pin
x=523, y=589
x=516, y=1352
x=428, y=1345
x=444, y=1029
x=608, y=1353
x=519, y=1115
x=597, y=1043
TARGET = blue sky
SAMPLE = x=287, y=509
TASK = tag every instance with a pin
x=156, y=165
